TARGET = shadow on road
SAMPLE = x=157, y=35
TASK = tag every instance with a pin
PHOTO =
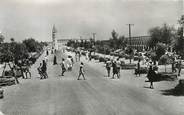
x=177, y=91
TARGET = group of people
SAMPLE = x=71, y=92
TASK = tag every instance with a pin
x=66, y=65
x=42, y=70
x=115, y=65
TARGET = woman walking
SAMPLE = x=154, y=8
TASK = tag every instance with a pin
x=55, y=60
x=44, y=69
x=151, y=76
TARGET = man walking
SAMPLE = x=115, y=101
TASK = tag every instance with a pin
x=179, y=66
x=114, y=69
x=63, y=67
x=138, y=68
x=118, y=65
x=108, y=67
x=81, y=71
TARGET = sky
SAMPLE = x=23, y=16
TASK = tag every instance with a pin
x=22, y=19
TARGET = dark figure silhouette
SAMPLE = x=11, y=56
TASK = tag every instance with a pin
x=114, y=69
x=81, y=71
x=44, y=69
x=151, y=76
x=63, y=67
x=55, y=60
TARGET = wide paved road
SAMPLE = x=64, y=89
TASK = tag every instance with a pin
x=98, y=95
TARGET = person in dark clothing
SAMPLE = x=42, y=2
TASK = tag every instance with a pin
x=47, y=52
x=81, y=71
x=138, y=68
x=40, y=71
x=151, y=75
x=55, y=60
x=108, y=67
x=179, y=67
x=89, y=55
x=114, y=69
x=63, y=67
x=44, y=69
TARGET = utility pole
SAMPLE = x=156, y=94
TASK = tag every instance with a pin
x=94, y=37
x=129, y=26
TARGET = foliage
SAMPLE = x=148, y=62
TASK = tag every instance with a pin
x=1, y=38
x=165, y=59
x=32, y=45
x=179, y=44
x=13, y=51
x=6, y=54
x=164, y=34
x=153, y=56
x=161, y=48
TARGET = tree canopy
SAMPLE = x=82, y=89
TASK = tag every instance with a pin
x=164, y=34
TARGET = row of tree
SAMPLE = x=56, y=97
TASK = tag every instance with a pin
x=13, y=51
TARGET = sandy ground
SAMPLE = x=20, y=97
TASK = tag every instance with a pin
x=98, y=95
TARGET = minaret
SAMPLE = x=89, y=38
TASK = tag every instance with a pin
x=54, y=31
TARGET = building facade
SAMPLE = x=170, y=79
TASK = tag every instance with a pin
x=139, y=42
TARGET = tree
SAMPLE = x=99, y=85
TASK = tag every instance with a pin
x=164, y=34
x=161, y=48
x=32, y=45
x=1, y=38
x=130, y=53
x=114, y=40
x=179, y=43
x=6, y=54
x=165, y=59
x=122, y=42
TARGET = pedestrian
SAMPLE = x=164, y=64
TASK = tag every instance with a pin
x=15, y=73
x=44, y=69
x=173, y=65
x=89, y=55
x=81, y=71
x=55, y=60
x=108, y=67
x=47, y=52
x=114, y=69
x=138, y=68
x=46, y=59
x=26, y=69
x=179, y=67
x=79, y=54
x=76, y=56
x=151, y=76
x=40, y=71
x=69, y=63
x=63, y=67
x=118, y=65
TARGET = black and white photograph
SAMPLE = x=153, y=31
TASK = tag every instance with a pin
x=91, y=57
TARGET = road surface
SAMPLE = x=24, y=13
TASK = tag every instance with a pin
x=98, y=95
